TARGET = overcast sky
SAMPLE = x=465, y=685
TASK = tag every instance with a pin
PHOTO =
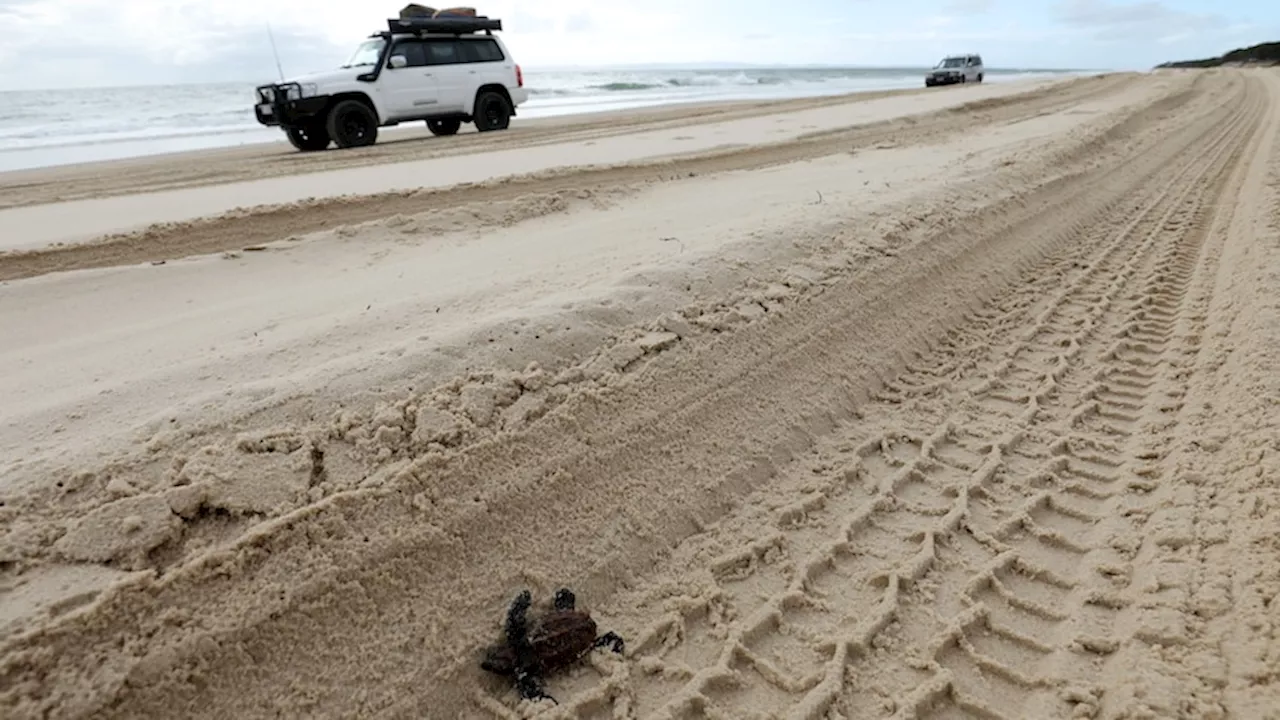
x=75, y=43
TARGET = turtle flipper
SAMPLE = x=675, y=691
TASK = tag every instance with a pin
x=611, y=640
x=529, y=685
x=525, y=661
x=517, y=620
x=565, y=600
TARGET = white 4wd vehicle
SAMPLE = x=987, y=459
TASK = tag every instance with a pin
x=955, y=69
x=441, y=70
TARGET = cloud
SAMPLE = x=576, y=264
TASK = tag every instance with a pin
x=968, y=7
x=1113, y=21
x=182, y=33
x=170, y=41
x=149, y=41
x=579, y=22
x=194, y=30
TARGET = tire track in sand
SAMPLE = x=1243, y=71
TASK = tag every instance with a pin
x=1179, y=664
x=975, y=557
x=372, y=603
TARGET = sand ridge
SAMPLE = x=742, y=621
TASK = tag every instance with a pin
x=925, y=451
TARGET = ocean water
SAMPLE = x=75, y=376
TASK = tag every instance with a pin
x=56, y=127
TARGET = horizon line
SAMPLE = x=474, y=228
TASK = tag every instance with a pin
x=711, y=65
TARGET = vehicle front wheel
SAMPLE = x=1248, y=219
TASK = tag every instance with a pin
x=444, y=127
x=492, y=112
x=311, y=138
x=352, y=124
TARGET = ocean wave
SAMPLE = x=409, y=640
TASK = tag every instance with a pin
x=580, y=84
x=624, y=86
x=741, y=79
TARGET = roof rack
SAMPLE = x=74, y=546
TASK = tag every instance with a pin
x=444, y=25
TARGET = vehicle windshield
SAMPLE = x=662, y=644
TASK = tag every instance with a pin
x=367, y=53
x=951, y=63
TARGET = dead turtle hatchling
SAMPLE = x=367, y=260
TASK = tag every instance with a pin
x=557, y=640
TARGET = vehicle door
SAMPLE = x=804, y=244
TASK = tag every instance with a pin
x=408, y=87
x=971, y=69
x=444, y=59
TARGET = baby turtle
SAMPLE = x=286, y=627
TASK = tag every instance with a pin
x=557, y=640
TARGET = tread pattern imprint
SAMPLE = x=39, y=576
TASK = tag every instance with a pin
x=998, y=534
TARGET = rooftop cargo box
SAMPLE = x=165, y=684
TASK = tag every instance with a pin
x=414, y=10
x=444, y=25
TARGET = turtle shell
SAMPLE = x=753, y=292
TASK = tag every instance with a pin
x=562, y=637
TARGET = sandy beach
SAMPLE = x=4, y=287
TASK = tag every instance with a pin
x=946, y=403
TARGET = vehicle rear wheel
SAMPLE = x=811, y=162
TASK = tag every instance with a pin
x=979, y=77
x=352, y=124
x=444, y=127
x=492, y=112
x=311, y=138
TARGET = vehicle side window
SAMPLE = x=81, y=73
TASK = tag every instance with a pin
x=442, y=52
x=485, y=50
x=412, y=51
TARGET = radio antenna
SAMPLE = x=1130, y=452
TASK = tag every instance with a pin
x=275, y=52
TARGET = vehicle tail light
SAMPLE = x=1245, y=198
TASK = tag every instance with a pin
x=519, y=76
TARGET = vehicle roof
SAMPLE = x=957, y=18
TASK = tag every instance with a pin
x=458, y=36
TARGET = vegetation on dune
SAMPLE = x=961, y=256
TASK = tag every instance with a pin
x=1262, y=54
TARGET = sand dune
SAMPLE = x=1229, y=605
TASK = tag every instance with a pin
x=964, y=409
